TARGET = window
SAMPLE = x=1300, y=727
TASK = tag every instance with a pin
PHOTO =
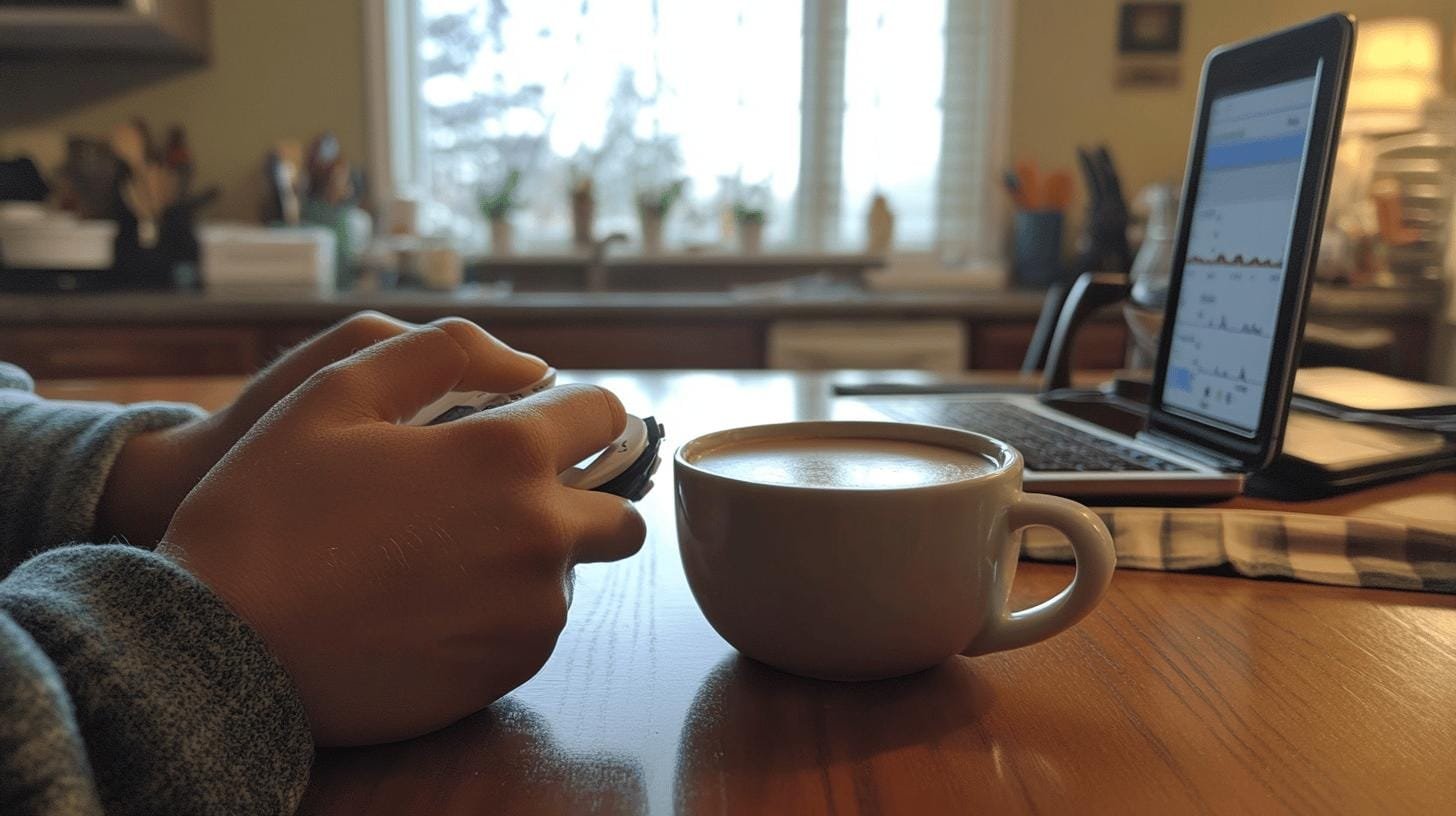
x=804, y=108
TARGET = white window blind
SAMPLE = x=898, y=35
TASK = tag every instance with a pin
x=809, y=108
x=970, y=201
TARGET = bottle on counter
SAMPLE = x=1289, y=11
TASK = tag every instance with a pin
x=880, y=226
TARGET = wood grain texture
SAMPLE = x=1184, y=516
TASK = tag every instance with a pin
x=114, y=351
x=608, y=344
x=1000, y=346
x=1182, y=692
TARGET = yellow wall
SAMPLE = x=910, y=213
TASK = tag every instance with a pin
x=1065, y=57
x=285, y=68
x=279, y=68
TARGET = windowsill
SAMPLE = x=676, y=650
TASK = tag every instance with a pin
x=672, y=271
x=715, y=259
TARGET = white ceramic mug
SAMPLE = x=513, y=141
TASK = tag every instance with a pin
x=858, y=584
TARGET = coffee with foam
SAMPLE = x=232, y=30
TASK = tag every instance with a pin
x=847, y=462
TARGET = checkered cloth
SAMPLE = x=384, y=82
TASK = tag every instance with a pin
x=1259, y=543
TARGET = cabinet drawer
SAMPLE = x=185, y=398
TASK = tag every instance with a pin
x=654, y=344
x=123, y=351
x=1002, y=346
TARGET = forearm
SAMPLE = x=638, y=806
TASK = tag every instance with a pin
x=126, y=686
x=55, y=460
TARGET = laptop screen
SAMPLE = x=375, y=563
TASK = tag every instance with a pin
x=1238, y=242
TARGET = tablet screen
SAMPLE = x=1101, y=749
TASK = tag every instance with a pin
x=1238, y=245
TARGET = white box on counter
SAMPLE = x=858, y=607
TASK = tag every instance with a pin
x=32, y=237
x=251, y=259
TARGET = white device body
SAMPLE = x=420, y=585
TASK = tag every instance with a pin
x=478, y=400
x=612, y=462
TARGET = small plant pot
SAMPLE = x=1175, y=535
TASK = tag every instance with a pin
x=750, y=237
x=583, y=212
x=651, y=232
x=440, y=269
x=502, y=237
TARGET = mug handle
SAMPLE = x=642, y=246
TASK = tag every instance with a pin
x=1092, y=546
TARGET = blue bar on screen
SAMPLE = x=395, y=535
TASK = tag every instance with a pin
x=1254, y=152
x=1181, y=378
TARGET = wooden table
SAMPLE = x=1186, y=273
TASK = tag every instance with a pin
x=1180, y=693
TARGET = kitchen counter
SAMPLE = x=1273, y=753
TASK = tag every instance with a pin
x=165, y=308
x=193, y=333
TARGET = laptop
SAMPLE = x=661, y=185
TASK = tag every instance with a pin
x=1254, y=195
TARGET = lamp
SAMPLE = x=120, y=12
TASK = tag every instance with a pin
x=1397, y=69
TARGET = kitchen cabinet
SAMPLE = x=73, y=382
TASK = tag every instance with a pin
x=185, y=350
x=117, y=334
x=121, y=351
x=158, y=29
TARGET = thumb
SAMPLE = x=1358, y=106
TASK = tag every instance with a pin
x=391, y=380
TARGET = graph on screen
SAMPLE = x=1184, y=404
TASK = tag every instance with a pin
x=1234, y=270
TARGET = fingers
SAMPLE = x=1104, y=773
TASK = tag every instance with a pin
x=355, y=332
x=604, y=527
x=494, y=366
x=390, y=380
x=569, y=422
x=302, y=361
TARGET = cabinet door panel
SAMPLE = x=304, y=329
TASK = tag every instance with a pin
x=125, y=351
x=1002, y=346
x=638, y=345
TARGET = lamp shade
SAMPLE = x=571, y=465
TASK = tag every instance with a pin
x=1397, y=68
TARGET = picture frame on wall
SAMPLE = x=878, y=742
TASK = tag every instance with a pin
x=1149, y=39
x=1150, y=28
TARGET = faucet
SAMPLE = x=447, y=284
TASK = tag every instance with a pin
x=596, y=271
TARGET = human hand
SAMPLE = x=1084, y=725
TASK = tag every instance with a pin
x=154, y=471
x=405, y=576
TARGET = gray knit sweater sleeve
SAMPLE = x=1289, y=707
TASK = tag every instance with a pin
x=126, y=686
x=54, y=460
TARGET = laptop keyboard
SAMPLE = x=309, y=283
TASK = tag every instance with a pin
x=1045, y=444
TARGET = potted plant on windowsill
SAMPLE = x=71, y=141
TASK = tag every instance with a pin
x=583, y=210
x=496, y=205
x=653, y=205
x=750, y=218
